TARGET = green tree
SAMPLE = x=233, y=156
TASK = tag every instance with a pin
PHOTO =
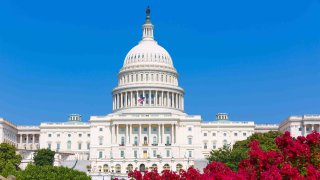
x=44, y=157
x=8, y=156
x=9, y=169
x=232, y=157
x=50, y=172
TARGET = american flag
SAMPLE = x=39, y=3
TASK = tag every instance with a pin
x=141, y=99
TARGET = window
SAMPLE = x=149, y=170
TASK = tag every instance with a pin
x=79, y=146
x=69, y=145
x=135, y=140
x=168, y=153
x=244, y=134
x=49, y=146
x=168, y=140
x=122, y=140
x=58, y=146
x=145, y=129
x=190, y=153
x=224, y=134
x=100, y=154
x=80, y=135
x=88, y=145
x=122, y=154
x=49, y=135
x=154, y=153
x=300, y=129
x=100, y=129
x=225, y=142
x=135, y=153
x=168, y=129
x=100, y=140
x=205, y=146
x=135, y=129
x=214, y=134
x=154, y=140
x=235, y=134
x=154, y=129
x=88, y=135
x=214, y=146
x=69, y=135
x=189, y=128
x=204, y=134
x=189, y=141
x=58, y=135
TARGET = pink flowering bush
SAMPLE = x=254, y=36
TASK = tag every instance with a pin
x=296, y=159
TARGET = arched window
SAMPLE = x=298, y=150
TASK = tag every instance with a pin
x=166, y=167
x=154, y=166
x=178, y=167
x=105, y=168
x=130, y=167
x=118, y=168
x=69, y=145
x=225, y=142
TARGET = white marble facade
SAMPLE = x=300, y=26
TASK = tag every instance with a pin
x=147, y=127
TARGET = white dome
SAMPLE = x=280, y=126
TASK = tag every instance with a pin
x=148, y=52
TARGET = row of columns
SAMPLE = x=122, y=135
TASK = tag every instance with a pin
x=30, y=139
x=312, y=126
x=129, y=136
x=151, y=98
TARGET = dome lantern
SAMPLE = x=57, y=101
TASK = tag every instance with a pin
x=147, y=27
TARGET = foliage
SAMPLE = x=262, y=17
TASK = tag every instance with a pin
x=233, y=156
x=8, y=157
x=43, y=157
x=50, y=172
x=289, y=159
x=9, y=169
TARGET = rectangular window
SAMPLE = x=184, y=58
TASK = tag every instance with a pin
x=190, y=153
x=167, y=129
x=49, y=146
x=144, y=129
x=214, y=146
x=135, y=153
x=122, y=154
x=135, y=129
x=100, y=129
x=58, y=146
x=154, y=129
x=205, y=146
x=49, y=135
x=189, y=128
x=300, y=129
x=80, y=135
x=100, y=154
x=244, y=134
x=213, y=134
x=58, y=135
x=79, y=146
x=204, y=134
x=88, y=145
x=235, y=134
x=154, y=153
x=168, y=153
x=88, y=135
x=189, y=141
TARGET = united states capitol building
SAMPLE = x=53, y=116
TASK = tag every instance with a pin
x=147, y=127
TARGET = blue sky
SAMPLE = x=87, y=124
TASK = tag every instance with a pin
x=256, y=60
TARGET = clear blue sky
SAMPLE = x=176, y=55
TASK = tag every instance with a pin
x=256, y=60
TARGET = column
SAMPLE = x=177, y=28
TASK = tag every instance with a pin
x=149, y=135
x=131, y=134
x=117, y=134
x=140, y=135
x=27, y=138
x=112, y=134
x=20, y=138
x=158, y=138
x=150, y=98
x=162, y=135
x=305, y=129
x=127, y=134
x=156, y=98
x=144, y=95
x=172, y=138
x=136, y=100
x=131, y=96
x=118, y=102
x=312, y=127
x=182, y=102
x=161, y=99
x=33, y=141
x=167, y=100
